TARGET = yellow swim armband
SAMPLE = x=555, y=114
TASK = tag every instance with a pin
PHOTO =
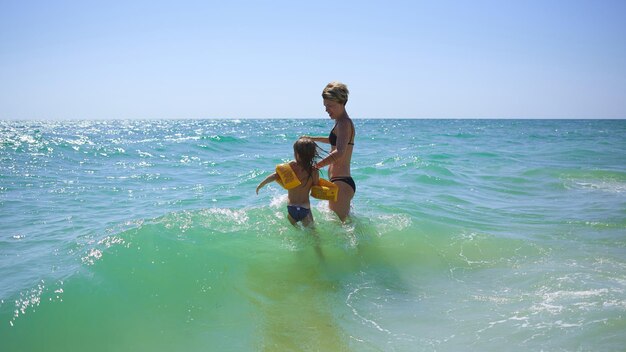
x=286, y=177
x=325, y=191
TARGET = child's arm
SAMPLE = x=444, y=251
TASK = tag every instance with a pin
x=268, y=179
x=316, y=177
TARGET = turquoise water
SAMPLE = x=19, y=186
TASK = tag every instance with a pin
x=479, y=235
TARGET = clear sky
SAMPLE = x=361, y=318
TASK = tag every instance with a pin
x=263, y=59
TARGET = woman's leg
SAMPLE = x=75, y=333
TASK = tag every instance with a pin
x=342, y=206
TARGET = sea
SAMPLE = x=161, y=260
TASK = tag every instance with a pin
x=464, y=235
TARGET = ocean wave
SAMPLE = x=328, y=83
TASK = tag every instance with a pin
x=223, y=139
x=196, y=234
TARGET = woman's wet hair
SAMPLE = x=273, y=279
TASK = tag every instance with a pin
x=336, y=91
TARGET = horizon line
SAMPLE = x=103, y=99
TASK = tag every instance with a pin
x=304, y=118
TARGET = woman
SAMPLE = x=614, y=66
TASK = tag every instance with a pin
x=341, y=140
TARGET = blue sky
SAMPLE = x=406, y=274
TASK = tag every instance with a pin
x=265, y=59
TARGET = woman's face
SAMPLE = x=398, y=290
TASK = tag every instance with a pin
x=333, y=108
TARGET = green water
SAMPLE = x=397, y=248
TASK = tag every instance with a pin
x=466, y=235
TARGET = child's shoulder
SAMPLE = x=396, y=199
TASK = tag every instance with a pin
x=295, y=167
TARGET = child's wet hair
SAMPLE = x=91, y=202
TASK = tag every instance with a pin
x=306, y=149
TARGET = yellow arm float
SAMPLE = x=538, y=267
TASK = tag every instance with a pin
x=286, y=177
x=325, y=191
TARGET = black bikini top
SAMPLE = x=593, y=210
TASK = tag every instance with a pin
x=332, y=137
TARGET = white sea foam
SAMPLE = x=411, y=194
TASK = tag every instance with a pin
x=608, y=186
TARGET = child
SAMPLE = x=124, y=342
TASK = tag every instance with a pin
x=299, y=207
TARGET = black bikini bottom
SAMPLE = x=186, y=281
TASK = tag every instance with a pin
x=347, y=180
x=298, y=213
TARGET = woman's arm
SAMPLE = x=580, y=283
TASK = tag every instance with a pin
x=343, y=137
x=268, y=179
x=319, y=139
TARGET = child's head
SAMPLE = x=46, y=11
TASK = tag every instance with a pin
x=305, y=151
